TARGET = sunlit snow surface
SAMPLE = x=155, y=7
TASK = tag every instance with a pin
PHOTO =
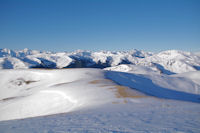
x=94, y=100
x=29, y=93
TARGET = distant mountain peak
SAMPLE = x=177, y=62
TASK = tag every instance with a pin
x=170, y=61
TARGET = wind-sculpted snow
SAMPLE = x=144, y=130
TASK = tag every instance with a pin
x=163, y=86
x=167, y=62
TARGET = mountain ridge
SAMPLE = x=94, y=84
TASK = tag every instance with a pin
x=167, y=62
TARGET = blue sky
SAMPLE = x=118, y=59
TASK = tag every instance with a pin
x=67, y=25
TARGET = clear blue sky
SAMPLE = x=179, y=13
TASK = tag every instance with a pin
x=67, y=25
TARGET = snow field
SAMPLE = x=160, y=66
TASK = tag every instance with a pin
x=95, y=100
x=29, y=93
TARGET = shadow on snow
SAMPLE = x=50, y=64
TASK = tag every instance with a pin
x=146, y=85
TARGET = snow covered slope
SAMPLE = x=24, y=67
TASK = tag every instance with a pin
x=173, y=61
x=29, y=93
x=177, y=87
x=84, y=100
x=167, y=62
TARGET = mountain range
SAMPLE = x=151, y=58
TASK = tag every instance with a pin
x=166, y=62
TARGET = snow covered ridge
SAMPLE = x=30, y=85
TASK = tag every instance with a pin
x=167, y=62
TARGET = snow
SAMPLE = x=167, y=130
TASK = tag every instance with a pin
x=173, y=61
x=167, y=62
x=193, y=76
x=12, y=63
x=140, y=116
x=133, y=69
x=162, y=86
x=25, y=92
x=136, y=91
x=83, y=100
x=187, y=82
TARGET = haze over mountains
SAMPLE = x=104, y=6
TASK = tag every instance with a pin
x=167, y=62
